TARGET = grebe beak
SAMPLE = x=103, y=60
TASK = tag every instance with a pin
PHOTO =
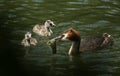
x=58, y=38
x=53, y=25
x=52, y=43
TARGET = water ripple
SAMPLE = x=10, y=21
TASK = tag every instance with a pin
x=72, y=9
x=82, y=2
x=90, y=17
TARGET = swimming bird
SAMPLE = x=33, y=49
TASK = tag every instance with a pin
x=28, y=40
x=44, y=30
x=80, y=45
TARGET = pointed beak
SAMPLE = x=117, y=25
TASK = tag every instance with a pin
x=58, y=38
x=53, y=25
x=52, y=43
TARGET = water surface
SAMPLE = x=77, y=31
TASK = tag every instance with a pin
x=90, y=17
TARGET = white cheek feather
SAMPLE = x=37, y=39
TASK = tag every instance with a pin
x=65, y=37
x=109, y=35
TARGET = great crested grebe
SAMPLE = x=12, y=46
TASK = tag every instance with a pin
x=81, y=45
x=28, y=40
x=44, y=30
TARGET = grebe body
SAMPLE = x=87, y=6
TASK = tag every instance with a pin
x=28, y=40
x=86, y=44
x=44, y=30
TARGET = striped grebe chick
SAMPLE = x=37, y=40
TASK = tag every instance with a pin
x=44, y=30
x=28, y=40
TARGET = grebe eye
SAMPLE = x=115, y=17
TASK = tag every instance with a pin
x=50, y=24
x=62, y=35
x=105, y=35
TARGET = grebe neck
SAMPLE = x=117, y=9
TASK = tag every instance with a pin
x=75, y=47
x=48, y=29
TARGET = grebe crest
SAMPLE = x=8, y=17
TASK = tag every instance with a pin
x=44, y=30
x=71, y=35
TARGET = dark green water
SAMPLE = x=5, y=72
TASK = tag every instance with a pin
x=90, y=17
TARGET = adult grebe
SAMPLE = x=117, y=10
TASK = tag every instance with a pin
x=28, y=40
x=81, y=45
x=44, y=30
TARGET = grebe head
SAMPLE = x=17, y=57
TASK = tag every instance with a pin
x=106, y=35
x=71, y=35
x=49, y=23
x=28, y=35
x=108, y=39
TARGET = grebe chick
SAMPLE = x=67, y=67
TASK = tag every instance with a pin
x=81, y=45
x=28, y=40
x=96, y=42
x=44, y=30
